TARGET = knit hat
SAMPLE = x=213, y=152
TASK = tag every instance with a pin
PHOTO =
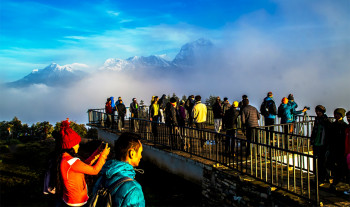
x=340, y=111
x=284, y=100
x=290, y=97
x=235, y=104
x=320, y=108
x=69, y=137
x=269, y=94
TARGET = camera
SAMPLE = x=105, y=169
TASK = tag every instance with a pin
x=306, y=107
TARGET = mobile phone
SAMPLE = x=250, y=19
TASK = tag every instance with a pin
x=104, y=145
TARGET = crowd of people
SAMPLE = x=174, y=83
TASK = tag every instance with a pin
x=119, y=107
x=330, y=140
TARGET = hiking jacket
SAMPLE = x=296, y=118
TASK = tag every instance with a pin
x=285, y=113
x=128, y=193
x=231, y=118
x=250, y=116
x=108, y=108
x=121, y=109
x=73, y=172
x=347, y=141
x=293, y=107
x=217, y=110
x=154, y=112
x=199, y=112
x=270, y=104
x=134, y=110
x=320, y=131
x=337, y=140
x=171, y=115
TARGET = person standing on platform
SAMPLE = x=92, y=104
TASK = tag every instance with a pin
x=232, y=116
x=225, y=106
x=134, y=110
x=109, y=113
x=182, y=114
x=250, y=118
x=218, y=114
x=171, y=117
x=121, y=109
x=189, y=104
x=337, y=147
x=319, y=142
x=269, y=111
x=154, y=113
x=347, y=150
x=199, y=114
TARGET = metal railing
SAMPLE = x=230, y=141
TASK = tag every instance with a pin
x=279, y=159
x=273, y=161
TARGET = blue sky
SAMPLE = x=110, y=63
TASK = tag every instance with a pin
x=35, y=33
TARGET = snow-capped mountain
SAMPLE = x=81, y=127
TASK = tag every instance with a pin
x=187, y=57
x=193, y=51
x=52, y=75
x=56, y=75
x=136, y=62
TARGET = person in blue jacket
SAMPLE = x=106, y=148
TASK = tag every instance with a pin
x=128, y=153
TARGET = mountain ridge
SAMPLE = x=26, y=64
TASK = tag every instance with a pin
x=56, y=75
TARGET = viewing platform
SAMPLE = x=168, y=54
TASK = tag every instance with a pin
x=275, y=169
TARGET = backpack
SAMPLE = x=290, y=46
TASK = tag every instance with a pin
x=267, y=108
x=103, y=197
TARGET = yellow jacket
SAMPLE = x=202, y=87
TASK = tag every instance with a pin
x=199, y=112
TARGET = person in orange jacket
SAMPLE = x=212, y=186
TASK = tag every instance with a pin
x=71, y=183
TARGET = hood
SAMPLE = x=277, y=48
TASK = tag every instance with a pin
x=268, y=99
x=121, y=168
x=112, y=101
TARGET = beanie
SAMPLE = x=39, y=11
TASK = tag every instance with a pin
x=340, y=111
x=69, y=137
x=269, y=94
x=284, y=100
x=290, y=97
x=235, y=104
x=320, y=108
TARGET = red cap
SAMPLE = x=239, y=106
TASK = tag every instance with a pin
x=69, y=137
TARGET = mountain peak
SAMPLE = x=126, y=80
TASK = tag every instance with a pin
x=51, y=75
x=192, y=51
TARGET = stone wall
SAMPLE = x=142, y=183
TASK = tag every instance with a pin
x=225, y=187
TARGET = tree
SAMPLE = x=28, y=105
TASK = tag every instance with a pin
x=78, y=128
x=210, y=101
x=42, y=130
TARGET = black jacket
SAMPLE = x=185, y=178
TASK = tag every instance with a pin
x=171, y=115
x=217, y=110
x=121, y=109
x=231, y=118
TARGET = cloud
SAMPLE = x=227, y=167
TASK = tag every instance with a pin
x=292, y=49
